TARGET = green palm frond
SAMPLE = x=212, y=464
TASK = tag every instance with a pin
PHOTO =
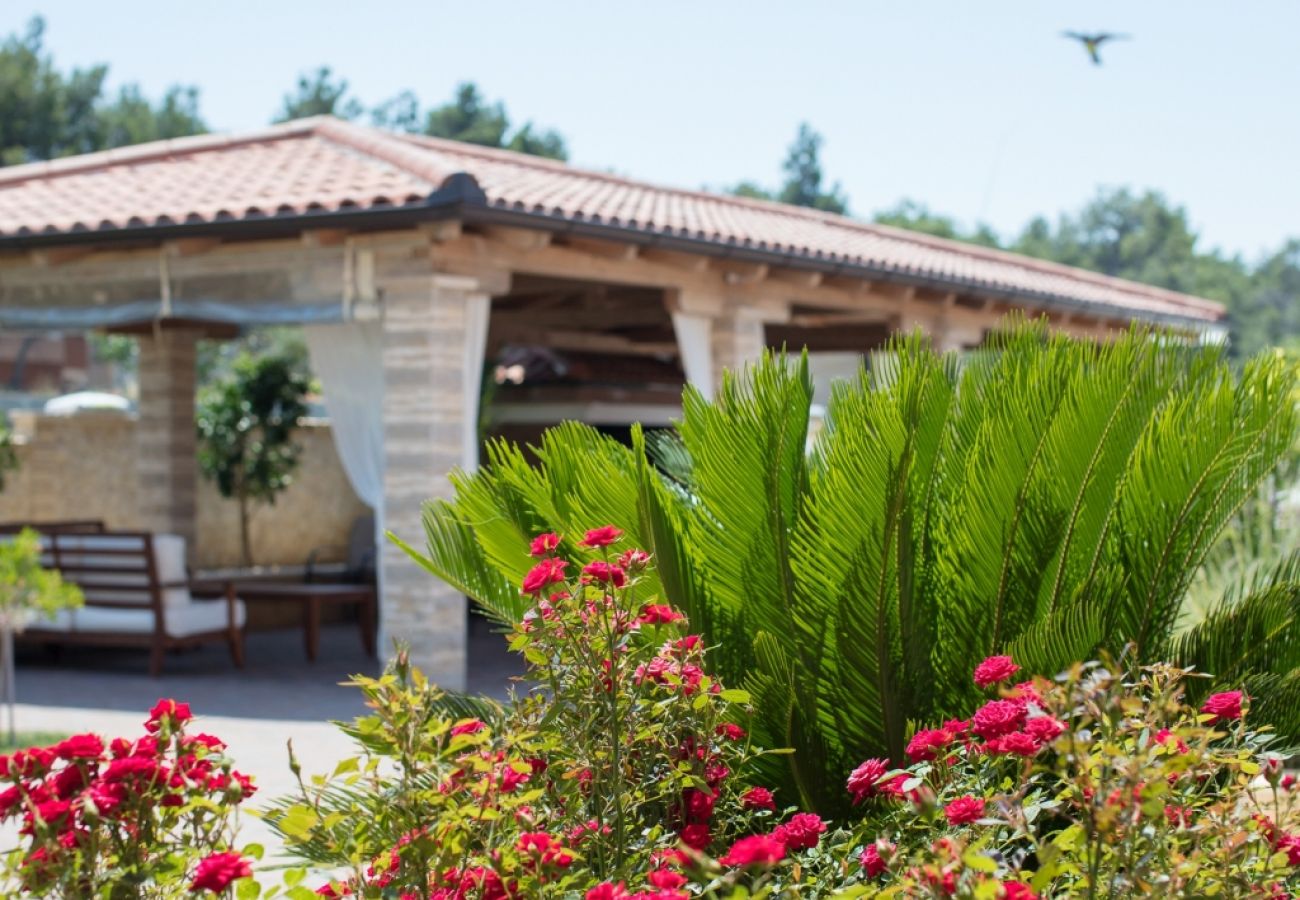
x=1043, y=497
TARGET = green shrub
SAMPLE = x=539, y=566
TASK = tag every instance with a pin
x=1046, y=497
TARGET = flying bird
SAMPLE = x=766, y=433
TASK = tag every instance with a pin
x=1092, y=42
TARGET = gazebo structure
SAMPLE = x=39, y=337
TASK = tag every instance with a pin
x=415, y=262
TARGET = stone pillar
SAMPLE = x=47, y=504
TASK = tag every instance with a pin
x=738, y=339
x=428, y=324
x=166, y=463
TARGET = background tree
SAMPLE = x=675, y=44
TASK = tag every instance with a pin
x=45, y=114
x=916, y=216
x=245, y=425
x=470, y=117
x=803, y=178
x=319, y=94
x=1145, y=238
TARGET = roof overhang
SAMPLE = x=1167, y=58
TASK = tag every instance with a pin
x=461, y=198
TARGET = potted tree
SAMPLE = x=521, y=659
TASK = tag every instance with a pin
x=246, y=423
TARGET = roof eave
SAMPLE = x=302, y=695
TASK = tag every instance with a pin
x=460, y=197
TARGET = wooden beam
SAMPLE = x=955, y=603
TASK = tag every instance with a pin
x=690, y=262
x=324, y=237
x=518, y=238
x=849, y=284
x=799, y=277
x=607, y=249
x=57, y=256
x=737, y=273
x=828, y=320
x=441, y=232
x=582, y=341
x=191, y=246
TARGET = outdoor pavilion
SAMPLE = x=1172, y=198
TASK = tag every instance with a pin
x=411, y=261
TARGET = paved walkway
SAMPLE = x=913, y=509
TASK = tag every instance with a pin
x=278, y=697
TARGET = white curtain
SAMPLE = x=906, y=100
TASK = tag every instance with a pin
x=478, y=309
x=348, y=360
x=695, y=342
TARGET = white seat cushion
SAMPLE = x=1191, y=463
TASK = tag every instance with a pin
x=196, y=617
x=169, y=560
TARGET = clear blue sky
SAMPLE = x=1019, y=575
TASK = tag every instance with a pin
x=979, y=110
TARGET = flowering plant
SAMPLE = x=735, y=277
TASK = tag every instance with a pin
x=151, y=817
x=622, y=773
x=1088, y=786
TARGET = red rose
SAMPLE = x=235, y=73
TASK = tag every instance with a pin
x=178, y=713
x=216, y=872
x=1044, y=728
x=666, y=879
x=473, y=726
x=730, y=731
x=1017, y=890
x=996, y=718
x=601, y=537
x=603, y=572
x=758, y=798
x=658, y=614
x=544, y=544
x=862, y=782
x=546, y=572
x=1017, y=743
x=802, y=832
x=1164, y=736
x=963, y=810
x=633, y=560
x=927, y=744
x=607, y=890
x=79, y=746
x=699, y=804
x=756, y=850
x=872, y=862
x=1223, y=707
x=696, y=836
x=995, y=669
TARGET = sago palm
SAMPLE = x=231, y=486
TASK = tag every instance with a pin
x=1044, y=497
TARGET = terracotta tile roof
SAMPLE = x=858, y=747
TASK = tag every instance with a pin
x=323, y=166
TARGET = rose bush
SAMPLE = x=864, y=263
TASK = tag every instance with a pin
x=150, y=817
x=623, y=770
x=1092, y=785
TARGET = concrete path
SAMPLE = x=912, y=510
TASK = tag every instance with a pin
x=278, y=696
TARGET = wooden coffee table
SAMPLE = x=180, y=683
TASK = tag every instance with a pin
x=312, y=597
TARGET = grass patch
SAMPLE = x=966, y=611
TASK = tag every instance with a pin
x=24, y=739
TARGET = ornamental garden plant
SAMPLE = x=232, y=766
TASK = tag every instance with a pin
x=148, y=817
x=628, y=771
x=1043, y=498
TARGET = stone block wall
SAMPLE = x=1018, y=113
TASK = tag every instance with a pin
x=84, y=467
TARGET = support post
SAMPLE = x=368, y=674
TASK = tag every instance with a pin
x=433, y=356
x=166, y=442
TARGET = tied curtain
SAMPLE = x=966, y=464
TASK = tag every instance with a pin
x=695, y=341
x=348, y=358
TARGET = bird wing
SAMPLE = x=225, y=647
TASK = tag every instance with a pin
x=1074, y=36
x=1107, y=36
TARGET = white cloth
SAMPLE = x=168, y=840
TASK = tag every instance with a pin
x=478, y=310
x=695, y=342
x=348, y=358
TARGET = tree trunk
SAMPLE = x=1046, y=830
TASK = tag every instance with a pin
x=245, y=544
x=11, y=694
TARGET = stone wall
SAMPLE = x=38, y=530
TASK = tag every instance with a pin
x=84, y=467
